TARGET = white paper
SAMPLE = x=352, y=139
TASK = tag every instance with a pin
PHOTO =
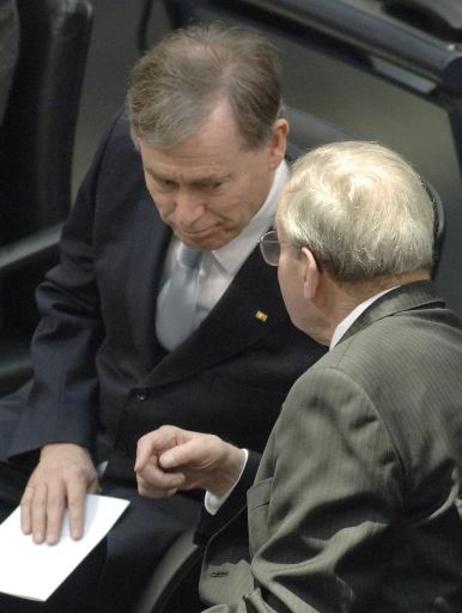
x=35, y=571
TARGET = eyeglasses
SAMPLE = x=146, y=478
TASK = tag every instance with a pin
x=270, y=247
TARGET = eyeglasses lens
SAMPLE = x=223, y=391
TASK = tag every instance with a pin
x=270, y=248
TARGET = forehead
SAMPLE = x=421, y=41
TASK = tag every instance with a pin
x=192, y=164
x=216, y=147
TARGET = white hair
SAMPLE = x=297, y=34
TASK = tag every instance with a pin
x=362, y=210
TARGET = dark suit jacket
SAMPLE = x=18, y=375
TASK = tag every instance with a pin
x=98, y=364
x=352, y=508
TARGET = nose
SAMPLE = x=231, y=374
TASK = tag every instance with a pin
x=189, y=207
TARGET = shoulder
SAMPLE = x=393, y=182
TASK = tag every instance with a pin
x=117, y=167
x=117, y=145
x=401, y=346
x=402, y=371
x=414, y=348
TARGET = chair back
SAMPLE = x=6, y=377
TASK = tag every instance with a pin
x=37, y=136
x=36, y=146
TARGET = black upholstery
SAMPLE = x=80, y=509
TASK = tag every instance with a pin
x=38, y=132
x=36, y=145
x=178, y=568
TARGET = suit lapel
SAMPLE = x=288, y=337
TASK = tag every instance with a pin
x=420, y=294
x=144, y=263
x=249, y=309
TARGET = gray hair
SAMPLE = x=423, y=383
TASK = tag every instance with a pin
x=361, y=209
x=178, y=82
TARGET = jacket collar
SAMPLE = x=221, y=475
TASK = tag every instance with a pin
x=420, y=294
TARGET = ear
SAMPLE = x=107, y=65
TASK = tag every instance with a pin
x=278, y=142
x=311, y=274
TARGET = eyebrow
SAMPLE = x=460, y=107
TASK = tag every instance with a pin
x=208, y=180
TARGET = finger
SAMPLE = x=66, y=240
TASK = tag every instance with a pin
x=39, y=513
x=192, y=453
x=55, y=507
x=26, y=509
x=156, y=442
x=76, y=502
x=161, y=480
x=150, y=491
x=144, y=455
x=94, y=487
x=145, y=451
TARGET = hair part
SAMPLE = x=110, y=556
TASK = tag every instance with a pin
x=362, y=210
x=174, y=87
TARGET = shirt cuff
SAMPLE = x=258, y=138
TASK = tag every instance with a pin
x=214, y=503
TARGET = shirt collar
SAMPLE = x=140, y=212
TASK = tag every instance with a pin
x=349, y=320
x=233, y=254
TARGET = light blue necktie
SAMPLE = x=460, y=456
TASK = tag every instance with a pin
x=176, y=303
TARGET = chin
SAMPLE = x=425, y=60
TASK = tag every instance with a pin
x=206, y=242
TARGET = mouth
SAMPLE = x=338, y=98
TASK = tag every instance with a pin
x=194, y=234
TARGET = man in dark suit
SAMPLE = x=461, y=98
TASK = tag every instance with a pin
x=353, y=504
x=199, y=163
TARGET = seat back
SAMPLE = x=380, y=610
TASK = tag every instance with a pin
x=36, y=146
x=37, y=135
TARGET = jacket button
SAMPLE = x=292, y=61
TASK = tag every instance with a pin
x=142, y=395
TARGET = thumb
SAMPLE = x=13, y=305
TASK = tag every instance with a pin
x=182, y=455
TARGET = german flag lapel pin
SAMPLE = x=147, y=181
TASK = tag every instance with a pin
x=261, y=316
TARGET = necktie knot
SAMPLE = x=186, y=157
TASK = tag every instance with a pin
x=188, y=256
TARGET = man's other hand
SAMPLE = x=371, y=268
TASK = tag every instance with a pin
x=62, y=478
x=170, y=459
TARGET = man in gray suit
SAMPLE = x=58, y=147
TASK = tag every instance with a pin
x=353, y=504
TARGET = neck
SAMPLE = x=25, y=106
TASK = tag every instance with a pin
x=347, y=296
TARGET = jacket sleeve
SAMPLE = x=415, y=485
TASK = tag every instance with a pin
x=61, y=404
x=235, y=505
x=328, y=486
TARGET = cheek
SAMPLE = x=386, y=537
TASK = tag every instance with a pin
x=227, y=208
x=236, y=211
x=282, y=279
x=289, y=288
x=240, y=207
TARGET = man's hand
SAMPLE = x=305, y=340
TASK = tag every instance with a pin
x=171, y=459
x=62, y=478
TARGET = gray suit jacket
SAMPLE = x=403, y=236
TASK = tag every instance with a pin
x=352, y=508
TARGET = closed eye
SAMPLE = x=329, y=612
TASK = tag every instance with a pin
x=164, y=185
